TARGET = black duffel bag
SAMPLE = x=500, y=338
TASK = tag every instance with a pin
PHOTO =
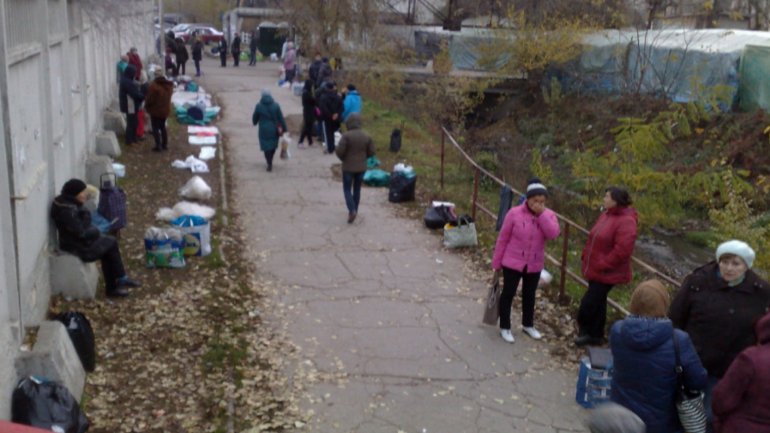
x=437, y=217
x=401, y=187
x=38, y=402
x=82, y=335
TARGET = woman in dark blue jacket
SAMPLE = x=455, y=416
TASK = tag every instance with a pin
x=644, y=377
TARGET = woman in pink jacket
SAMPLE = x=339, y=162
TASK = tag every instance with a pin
x=520, y=254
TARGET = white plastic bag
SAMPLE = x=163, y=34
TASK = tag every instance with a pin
x=284, y=142
x=196, y=188
x=207, y=152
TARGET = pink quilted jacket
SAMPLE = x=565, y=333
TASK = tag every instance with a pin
x=521, y=241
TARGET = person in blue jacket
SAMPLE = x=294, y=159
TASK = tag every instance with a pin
x=644, y=377
x=352, y=103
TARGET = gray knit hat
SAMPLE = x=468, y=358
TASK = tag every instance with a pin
x=614, y=418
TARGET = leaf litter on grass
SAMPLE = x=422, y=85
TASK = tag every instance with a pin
x=185, y=352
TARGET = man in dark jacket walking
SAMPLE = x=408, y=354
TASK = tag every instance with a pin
x=355, y=147
x=197, y=54
x=324, y=73
x=330, y=104
x=158, y=104
x=78, y=236
x=236, y=49
x=130, y=98
x=253, y=44
x=312, y=72
x=223, y=52
x=181, y=56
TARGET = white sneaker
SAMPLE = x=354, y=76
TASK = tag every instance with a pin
x=507, y=336
x=532, y=332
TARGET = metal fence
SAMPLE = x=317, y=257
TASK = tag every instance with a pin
x=561, y=262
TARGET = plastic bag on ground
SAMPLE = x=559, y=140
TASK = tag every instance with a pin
x=197, y=234
x=163, y=248
x=185, y=208
x=196, y=188
x=82, y=335
x=376, y=177
x=207, y=152
x=39, y=402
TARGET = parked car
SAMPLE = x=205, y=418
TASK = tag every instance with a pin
x=180, y=29
x=207, y=33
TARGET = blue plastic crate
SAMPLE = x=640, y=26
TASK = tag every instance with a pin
x=593, y=384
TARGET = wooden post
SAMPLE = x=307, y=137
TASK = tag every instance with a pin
x=476, y=176
x=443, y=138
x=563, y=280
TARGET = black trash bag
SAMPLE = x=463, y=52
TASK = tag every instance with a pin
x=82, y=335
x=195, y=112
x=395, y=140
x=438, y=216
x=401, y=187
x=38, y=402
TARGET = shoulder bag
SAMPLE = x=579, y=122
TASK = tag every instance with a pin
x=492, y=307
x=689, y=403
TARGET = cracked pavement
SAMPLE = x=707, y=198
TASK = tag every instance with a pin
x=389, y=319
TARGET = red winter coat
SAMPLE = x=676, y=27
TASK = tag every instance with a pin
x=741, y=400
x=607, y=254
x=134, y=59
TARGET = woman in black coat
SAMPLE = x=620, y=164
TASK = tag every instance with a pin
x=308, y=113
x=79, y=237
x=223, y=52
x=181, y=56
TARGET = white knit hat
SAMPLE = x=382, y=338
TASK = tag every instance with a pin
x=738, y=248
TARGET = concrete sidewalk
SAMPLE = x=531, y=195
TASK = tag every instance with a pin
x=389, y=319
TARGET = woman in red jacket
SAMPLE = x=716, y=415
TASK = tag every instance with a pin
x=741, y=401
x=606, y=262
x=520, y=254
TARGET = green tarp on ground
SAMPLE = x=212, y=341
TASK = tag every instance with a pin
x=754, y=89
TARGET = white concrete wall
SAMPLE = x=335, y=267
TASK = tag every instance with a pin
x=57, y=75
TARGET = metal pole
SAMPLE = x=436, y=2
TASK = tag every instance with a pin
x=443, y=139
x=564, y=249
x=476, y=177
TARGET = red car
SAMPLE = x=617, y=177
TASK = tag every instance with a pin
x=206, y=33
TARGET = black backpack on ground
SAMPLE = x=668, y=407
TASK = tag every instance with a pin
x=395, y=140
x=82, y=336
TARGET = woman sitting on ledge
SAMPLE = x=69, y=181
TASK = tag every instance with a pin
x=79, y=237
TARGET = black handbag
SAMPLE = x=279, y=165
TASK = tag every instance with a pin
x=689, y=403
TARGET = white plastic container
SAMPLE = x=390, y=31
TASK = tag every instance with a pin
x=120, y=169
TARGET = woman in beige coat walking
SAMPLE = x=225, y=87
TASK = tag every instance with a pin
x=354, y=148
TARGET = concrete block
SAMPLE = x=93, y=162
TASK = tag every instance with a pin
x=115, y=122
x=107, y=144
x=8, y=353
x=72, y=277
x=54, y=357
x=96, y=165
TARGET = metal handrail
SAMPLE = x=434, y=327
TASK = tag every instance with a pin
x=562, y=264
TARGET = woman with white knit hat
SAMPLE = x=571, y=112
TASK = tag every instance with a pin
x=718, y=304
x=520, y=255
